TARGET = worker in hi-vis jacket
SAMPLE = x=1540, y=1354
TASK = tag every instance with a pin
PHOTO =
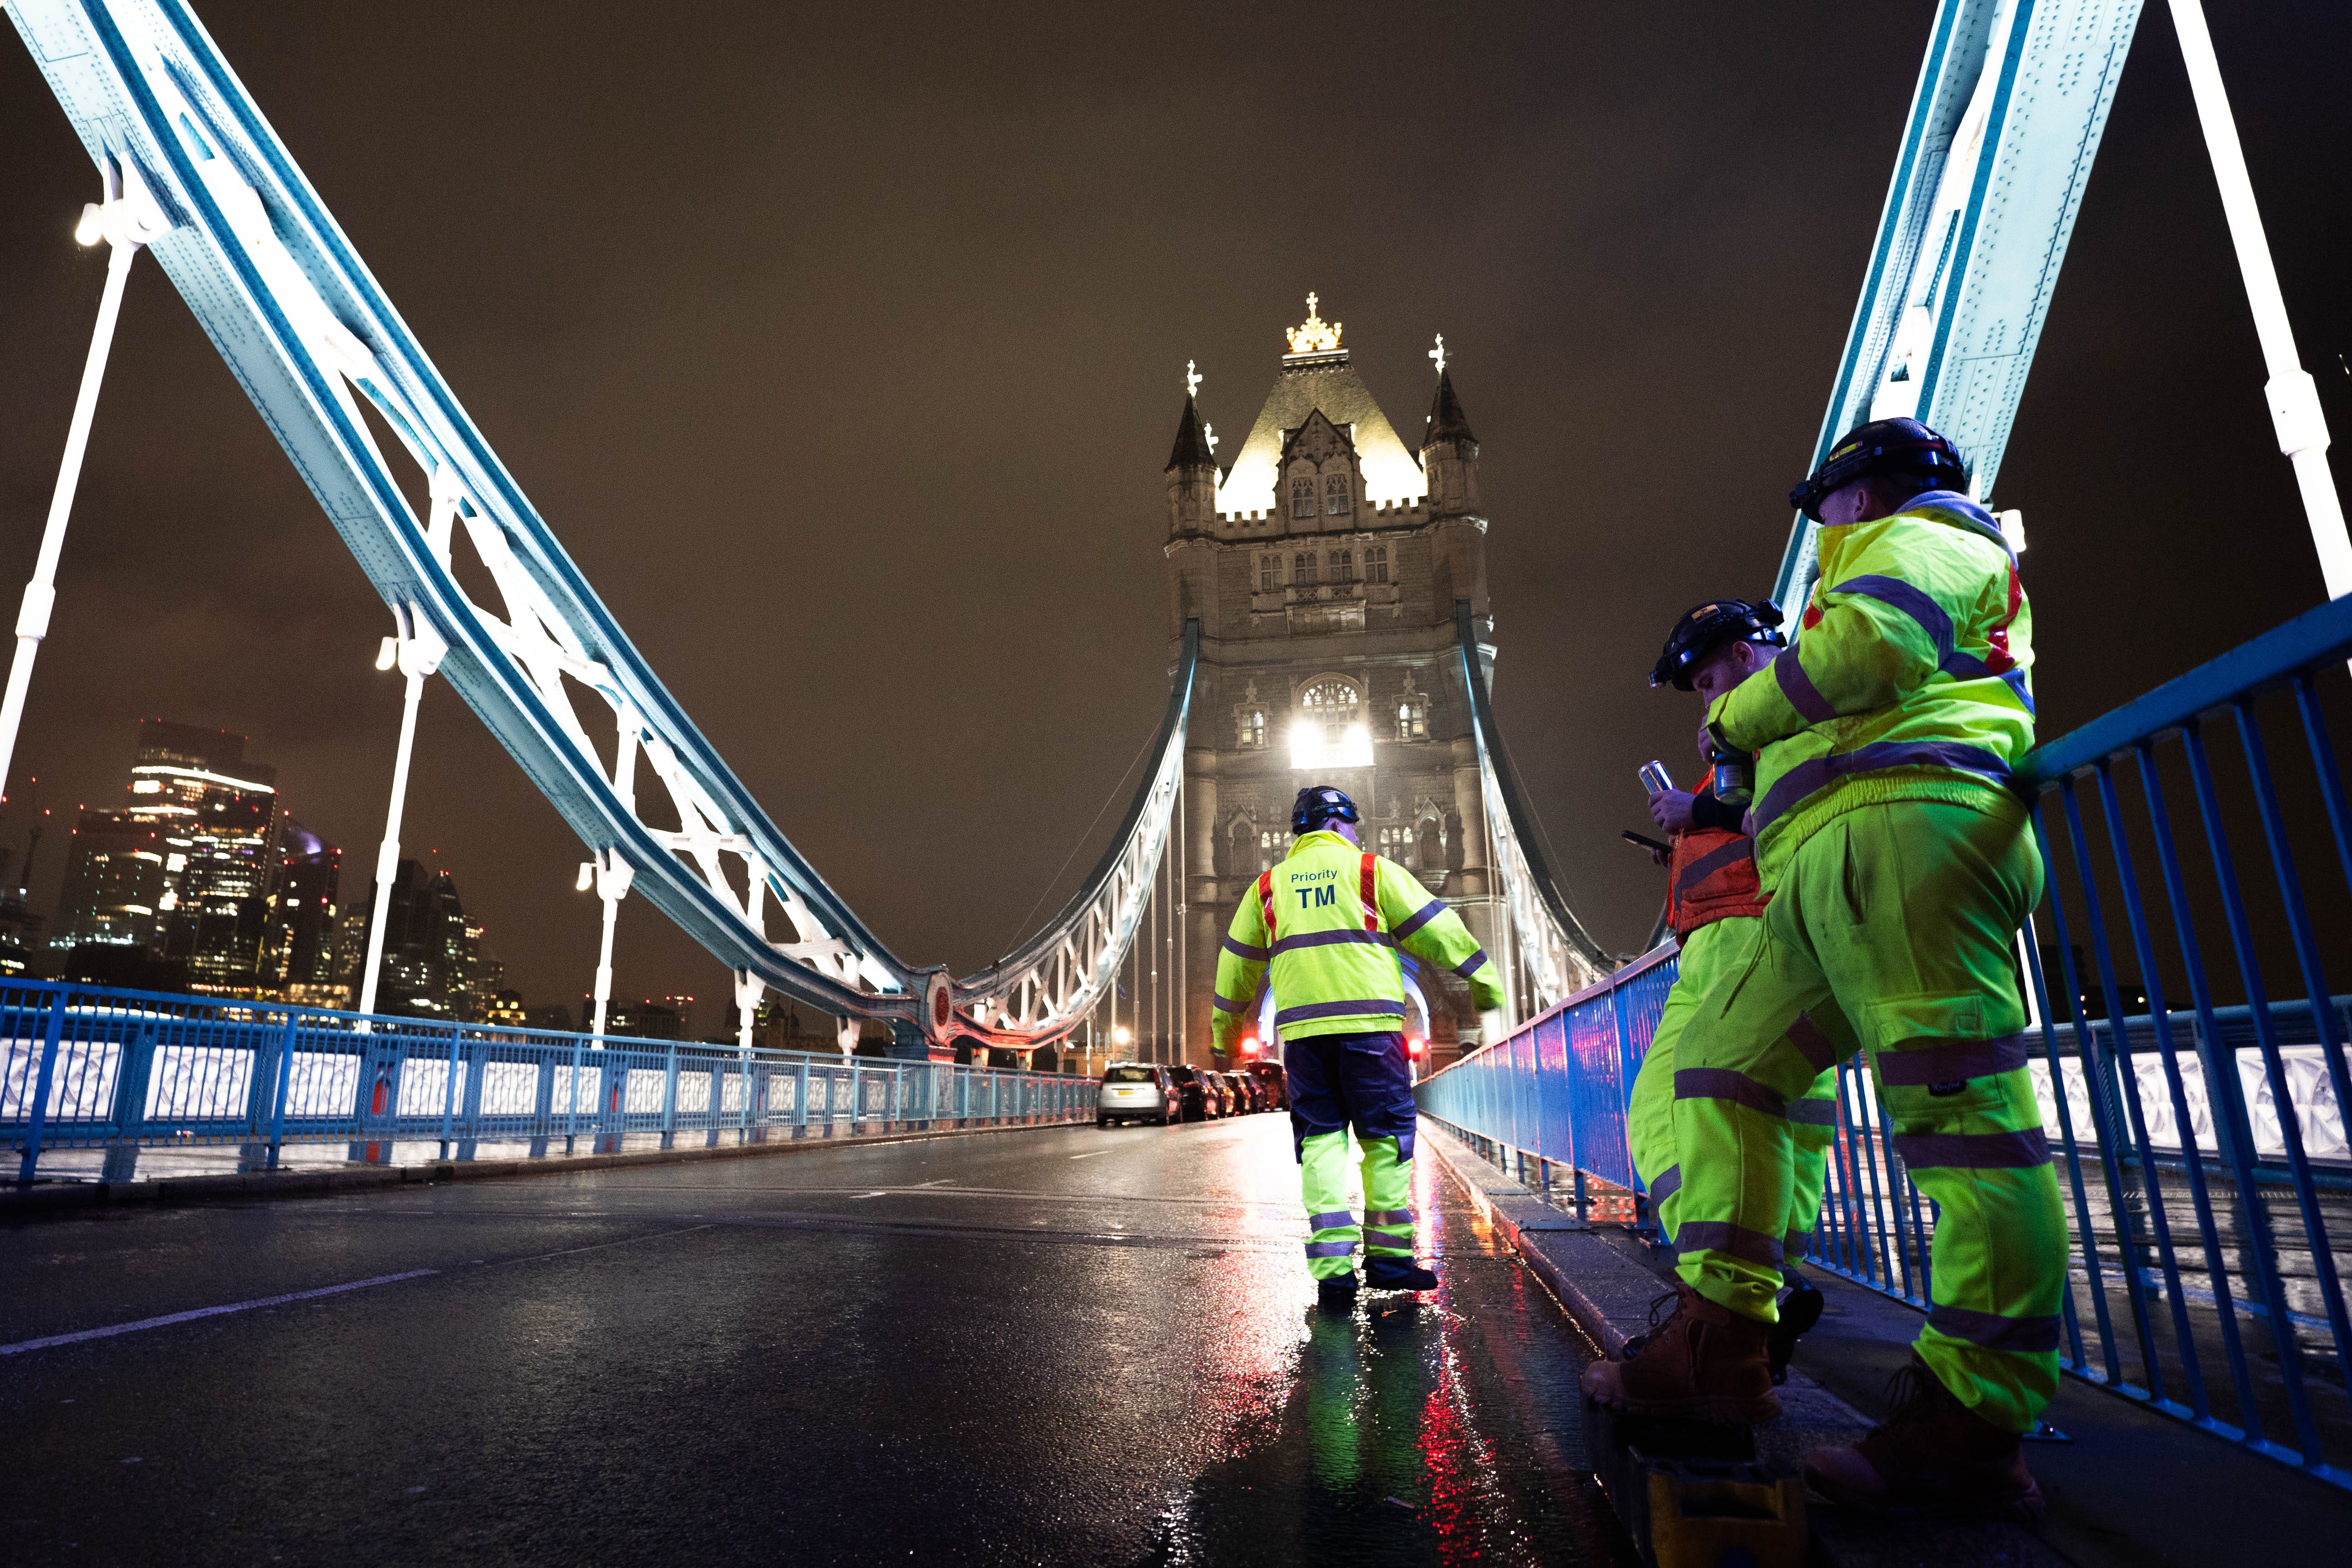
x=1325, y=926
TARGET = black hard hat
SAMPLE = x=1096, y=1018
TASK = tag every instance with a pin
x=1882, y=446
x=1319, y=803
x=1709, y=627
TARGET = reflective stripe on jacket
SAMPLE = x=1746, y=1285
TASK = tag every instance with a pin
x=1710, y=876
x=1328, y=922
x=1909, y=680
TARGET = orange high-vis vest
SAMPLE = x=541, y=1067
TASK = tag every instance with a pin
x=1711, y=876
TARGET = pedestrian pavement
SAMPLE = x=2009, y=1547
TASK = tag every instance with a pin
x=2128, y=1486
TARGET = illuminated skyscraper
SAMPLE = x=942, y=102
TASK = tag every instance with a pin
x=299, y=952
x=115, y=883
x=427, y=953
x=217, y=820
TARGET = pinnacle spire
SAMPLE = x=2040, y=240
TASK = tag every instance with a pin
x=1446, y=422
x=1192, y=450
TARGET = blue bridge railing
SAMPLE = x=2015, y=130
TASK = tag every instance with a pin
x=84, y=1066
x=2192, y=1066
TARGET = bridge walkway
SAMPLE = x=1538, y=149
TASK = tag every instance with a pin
x=1054, y=1345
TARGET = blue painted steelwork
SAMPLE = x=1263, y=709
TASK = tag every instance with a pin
x=304, y=326
x=94, y=1066
x=2011, y=102
x=2206, y=1195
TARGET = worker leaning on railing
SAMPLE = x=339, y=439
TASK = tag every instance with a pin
x=1901, y=865
x=1324, y=928
x=1715, y=905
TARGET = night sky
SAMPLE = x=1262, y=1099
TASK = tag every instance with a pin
x=843, y=346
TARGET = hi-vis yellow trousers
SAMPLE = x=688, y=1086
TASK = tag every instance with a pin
x=1900, y=919
x=1707, y=954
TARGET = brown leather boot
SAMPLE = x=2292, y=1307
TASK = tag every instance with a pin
x=1933, y=1455
x=1704, y=1362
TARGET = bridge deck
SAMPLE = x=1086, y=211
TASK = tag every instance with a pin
x=1063, y=1345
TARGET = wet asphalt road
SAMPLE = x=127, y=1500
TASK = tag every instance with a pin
x=1064, y=1345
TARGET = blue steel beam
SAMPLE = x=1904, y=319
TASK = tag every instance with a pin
x=304, y=326
x=2011, y=102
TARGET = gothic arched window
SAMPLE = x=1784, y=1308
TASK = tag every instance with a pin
x=1269, y=572
x=1302, y=497
x=1302, y=569
x=1343, y=565
x=1412, y=719
x=1335, y=495
x=1254, y=727
x=1375, y=564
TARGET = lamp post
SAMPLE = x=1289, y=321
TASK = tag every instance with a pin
x=610, y=876
x=127, y=219
x=417, y=649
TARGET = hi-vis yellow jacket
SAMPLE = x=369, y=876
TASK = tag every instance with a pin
x=1328, y=920
x=1910, y=680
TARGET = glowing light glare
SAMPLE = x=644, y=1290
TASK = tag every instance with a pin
x=1120, y=1036
x=1316, y=746
x=1249, y=1044
x=587, y=875
x=1412, y=1046
x=92, y=226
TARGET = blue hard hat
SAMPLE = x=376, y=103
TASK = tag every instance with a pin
x=1320, y=804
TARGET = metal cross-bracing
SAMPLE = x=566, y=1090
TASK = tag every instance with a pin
x=304, y=326
x=1547, y=944
x=2011, y=102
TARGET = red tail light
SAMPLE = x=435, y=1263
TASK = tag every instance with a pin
x=1412, y=1046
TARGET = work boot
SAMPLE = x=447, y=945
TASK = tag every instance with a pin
x=1337, y=1294
x=1800, y=1308
x=1932, y=1453
x=1704, y=1362
x=1397, y=1274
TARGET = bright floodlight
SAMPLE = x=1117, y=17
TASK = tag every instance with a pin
x=1119, y=1037
x=388, y=654
x=587, y=875
x=92, y=226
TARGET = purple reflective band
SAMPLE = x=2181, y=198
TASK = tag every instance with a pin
x=1722, y=1083
x=1799, y=689
x=1806, y=777
x=1669, y=1182
x=1472, y=964
x=1714, y=860
x=1343, y=1220
x=1330, y=938
x=1388, y=1216
x=1330, y=1249
x=1813, y=1113
x=1954, y=1060
x=2026, y=1336
x=1722, y=1235
x=1937, y=625
x=1226, y=1003
x=1973, y=1150
x=1374, y=1008
x=1797, y=1244
x=1932, y=617
x=1253, y=954
x=1816, y=1047
x=1420, y=918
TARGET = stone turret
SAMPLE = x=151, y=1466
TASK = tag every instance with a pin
x=1449, y=454
x=1192, y=477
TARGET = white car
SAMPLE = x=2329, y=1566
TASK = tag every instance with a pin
x=1134, y=1091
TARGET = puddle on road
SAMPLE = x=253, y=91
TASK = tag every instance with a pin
x=1409, y=1431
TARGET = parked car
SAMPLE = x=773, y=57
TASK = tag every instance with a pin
x=1196, y=1101
x=1270, y=1083
x=1134, y=1091
x=1245, y=1093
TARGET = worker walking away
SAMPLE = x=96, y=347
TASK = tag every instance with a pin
x=1901, y=864
x=1715, y=905
x=1327, y=922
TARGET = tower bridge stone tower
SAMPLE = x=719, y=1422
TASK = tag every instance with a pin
x=1323, y=565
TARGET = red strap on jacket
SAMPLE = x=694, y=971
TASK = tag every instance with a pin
x=1370, y=891
x=1265, y=902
